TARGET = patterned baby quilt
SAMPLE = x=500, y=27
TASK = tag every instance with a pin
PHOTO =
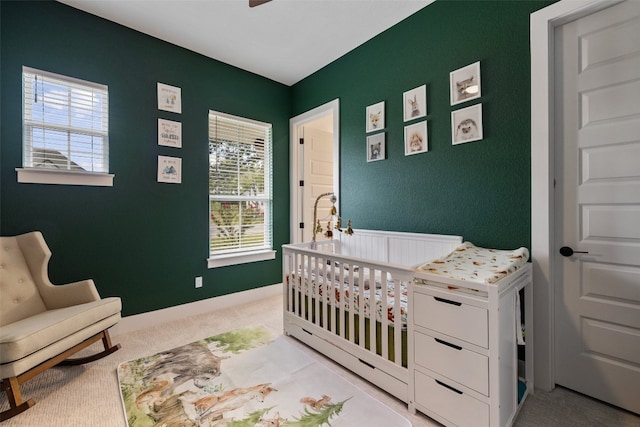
x=472, y=263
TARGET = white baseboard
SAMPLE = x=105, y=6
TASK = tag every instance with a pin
x=170, y=314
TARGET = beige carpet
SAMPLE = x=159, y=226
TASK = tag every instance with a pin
x=88, y=395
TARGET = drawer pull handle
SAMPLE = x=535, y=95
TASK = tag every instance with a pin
x=448, y=386
x=367, y=364
x=448, y=344
x=448, y=301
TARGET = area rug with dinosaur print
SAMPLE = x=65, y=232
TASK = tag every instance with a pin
x=244, y=378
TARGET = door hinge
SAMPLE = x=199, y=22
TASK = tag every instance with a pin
x=301, y=183
x=301, y=140
x=302, y=225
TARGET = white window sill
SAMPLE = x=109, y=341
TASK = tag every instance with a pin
x=63, y=177
x=240, y=258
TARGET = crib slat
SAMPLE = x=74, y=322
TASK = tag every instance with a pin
x=299, y=276
x=311, y=280
x=351, y=301
x=327, y=301
x=304, y=306
x=361, y=311
x=373, y=305
x=287, y=280
x=397, y=322
x=341, y=295
x=384, y=315
x=316, y=291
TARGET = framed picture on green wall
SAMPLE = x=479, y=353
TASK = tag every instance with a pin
x=170, y=169
x=169, y=133
x=375, y=117
x=375, y=147
x=169, y=98
x=415, y=103
x=465, y=83
x=415, y=139
x=466, y=124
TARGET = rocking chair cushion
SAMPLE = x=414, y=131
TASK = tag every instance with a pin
x=20, y=339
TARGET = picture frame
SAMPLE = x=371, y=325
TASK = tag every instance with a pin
x=169, y=98
x=416, y=140
x=170, y=169
x=376, y=147
x=465, y=84
x=415, y=103
x=169, y=133
x=375, y=117
x=466, y=124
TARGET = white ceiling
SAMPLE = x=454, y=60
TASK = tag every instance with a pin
x=283, y=40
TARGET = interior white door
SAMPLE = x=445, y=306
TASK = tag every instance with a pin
x=318, y=177
x=597, y=169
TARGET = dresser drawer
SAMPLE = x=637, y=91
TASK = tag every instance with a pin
x=453, y=318
x=461, y=365
x=449, y=403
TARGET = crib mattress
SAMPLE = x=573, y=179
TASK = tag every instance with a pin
x=475, y=264
x=335, y=291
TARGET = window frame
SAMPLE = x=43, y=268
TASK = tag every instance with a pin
x=42, y=175
x=254, y=254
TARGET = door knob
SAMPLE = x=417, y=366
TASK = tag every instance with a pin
x=567, y=251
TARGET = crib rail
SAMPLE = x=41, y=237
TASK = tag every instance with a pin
x=329, y=291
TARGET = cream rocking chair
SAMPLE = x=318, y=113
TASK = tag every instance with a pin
x=41, y=324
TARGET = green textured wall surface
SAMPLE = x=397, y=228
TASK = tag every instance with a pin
x=146, y=241
x=141, y=240
x=480, y=190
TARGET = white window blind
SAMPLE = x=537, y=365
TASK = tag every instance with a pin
x=240, y=196
x=65, y=123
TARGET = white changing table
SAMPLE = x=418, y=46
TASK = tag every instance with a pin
x=463, y=350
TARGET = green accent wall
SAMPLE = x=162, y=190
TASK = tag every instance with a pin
x=141, y=240
x=146, y=241
x=479, y=190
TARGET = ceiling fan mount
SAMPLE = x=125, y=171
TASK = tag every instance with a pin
x=254, y=3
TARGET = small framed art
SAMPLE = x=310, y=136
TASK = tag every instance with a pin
x=465, y=83
x=169, y=133
x=375, y=147
x=375, y=117
x=415, y=103
x=170, y=169
x=466, y=124
x=415, y=139
x=169, y=98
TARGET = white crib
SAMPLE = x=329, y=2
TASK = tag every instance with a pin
x=335, y=293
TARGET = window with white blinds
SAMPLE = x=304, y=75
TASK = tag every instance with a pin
x=65, y=123
x=240, y=194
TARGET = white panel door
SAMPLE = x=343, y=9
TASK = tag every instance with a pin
x=597, y=306
x=318, y=177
